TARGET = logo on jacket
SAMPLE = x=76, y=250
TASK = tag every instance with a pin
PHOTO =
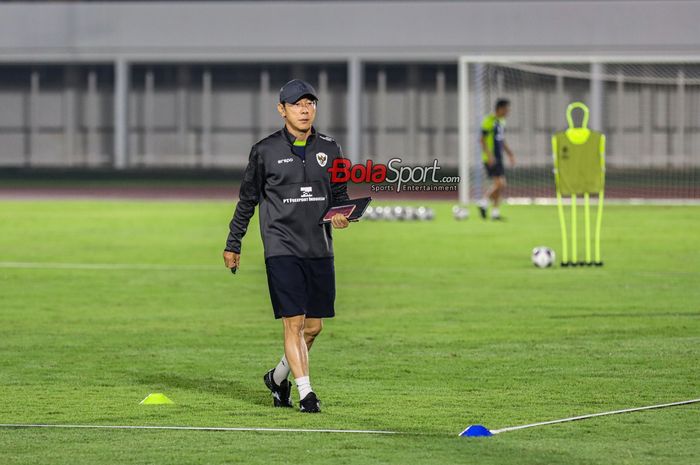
x=321, y=158
x=306, y=196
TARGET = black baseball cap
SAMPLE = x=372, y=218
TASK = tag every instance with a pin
x=295, y=89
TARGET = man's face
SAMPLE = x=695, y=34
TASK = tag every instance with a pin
x=299, y=115
x=503, y=111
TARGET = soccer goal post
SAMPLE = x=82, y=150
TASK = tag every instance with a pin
x=648, y=108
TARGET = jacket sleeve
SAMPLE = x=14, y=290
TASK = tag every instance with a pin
x=250, y=192
x=339, y=189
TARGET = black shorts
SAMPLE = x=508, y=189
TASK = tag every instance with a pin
x=495, y=170
x=301, y=286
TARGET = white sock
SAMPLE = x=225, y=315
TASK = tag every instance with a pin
x=304, y=386
x=281, y=371
x=483, y=203
x=495, y=212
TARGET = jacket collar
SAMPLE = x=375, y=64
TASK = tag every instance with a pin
x=290, y=138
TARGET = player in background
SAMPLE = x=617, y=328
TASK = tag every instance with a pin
x=493, y=144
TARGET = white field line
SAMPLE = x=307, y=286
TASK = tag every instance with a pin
x=110, y=266
x=593, y=415
x=342, y=431
x=201, y=428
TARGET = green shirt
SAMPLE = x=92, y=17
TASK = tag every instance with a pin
x=493, y=129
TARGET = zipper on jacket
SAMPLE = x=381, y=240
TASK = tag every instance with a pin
x=303, y=161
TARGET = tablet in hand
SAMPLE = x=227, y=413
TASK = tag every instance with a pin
x=345, y=210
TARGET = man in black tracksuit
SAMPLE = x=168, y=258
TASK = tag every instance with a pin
x=287, y=175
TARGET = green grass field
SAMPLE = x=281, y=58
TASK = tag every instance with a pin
x=440, y=325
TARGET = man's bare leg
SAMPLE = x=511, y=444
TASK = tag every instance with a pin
x=483, y=204
x=499, y=184
x=312, y=328
x=492, y=191
x=295, y=349
x=298, y=336
x=297, y=353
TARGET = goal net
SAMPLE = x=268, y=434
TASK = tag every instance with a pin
x=649, y=112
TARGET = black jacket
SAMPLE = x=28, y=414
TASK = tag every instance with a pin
x=293, y=194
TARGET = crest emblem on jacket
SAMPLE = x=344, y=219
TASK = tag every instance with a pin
x=321, y=158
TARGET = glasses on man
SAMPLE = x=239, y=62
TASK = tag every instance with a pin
x=309, y=104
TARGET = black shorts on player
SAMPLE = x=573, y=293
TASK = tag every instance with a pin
x=301, y=286
x=495, y=170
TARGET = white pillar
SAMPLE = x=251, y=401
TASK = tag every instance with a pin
x=149, y=112
x=206, y=118
x=411, y=117
x=34, y=91
x=481, y=106
x=353, y=150
x=440, y=116
x=69, y=114
x=121, y=115
x=463, y=128
x=597, y=94
x=92, y=155
x=559, y=102
x=680, y=115
x=381, y=102
x=646, y=157
x=183, y=78
x=266, y=99
x=619, y=147
x=323, y=117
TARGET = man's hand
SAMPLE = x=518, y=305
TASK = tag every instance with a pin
x=512, y=159
x=339, y=221
x=491, y=160
x=232, y=259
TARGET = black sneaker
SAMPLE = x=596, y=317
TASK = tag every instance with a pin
x=310, y=404
x=482, y=211
x=282, y=394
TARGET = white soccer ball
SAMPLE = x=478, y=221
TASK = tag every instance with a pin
x=543, y=257
x=370, y=213
x=460, y=213
x=388, y=213
x=409, y=213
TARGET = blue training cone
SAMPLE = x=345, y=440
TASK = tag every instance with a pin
x=474, y=431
